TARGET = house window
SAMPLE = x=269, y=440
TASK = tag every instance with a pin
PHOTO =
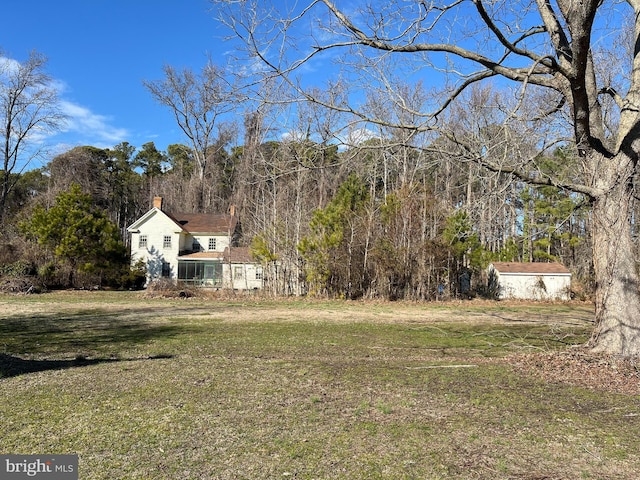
x=238, y=272
x=142, y=241
x=166, y=242
x=196, y=247
x=212, y=243
x=166, y=270
x=258, y=273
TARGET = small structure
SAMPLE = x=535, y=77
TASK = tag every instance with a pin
x=198, y=250
x=529, y=281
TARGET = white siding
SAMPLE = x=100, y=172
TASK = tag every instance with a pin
x=244, y=276
x=534, y=287
x=156, y=227
x=222, y=242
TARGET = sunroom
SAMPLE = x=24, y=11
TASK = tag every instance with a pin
x=200, y=273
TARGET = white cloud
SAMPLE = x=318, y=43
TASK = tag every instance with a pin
x=359, y=135
x=85, y=126
x=92, y=126
x=8, y=64
x=293, y=136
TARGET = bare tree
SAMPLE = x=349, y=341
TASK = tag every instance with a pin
x=28, y=111
x=547, y=49
x=198, y=103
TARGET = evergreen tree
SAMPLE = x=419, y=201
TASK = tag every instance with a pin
x=79, y=236
x=332, y=251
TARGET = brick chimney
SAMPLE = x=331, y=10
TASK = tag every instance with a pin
x=157, y=202
x=232, y=210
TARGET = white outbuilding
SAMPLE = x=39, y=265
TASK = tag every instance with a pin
x=529, y=281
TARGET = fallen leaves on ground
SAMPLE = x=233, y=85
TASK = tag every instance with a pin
x=581, y=368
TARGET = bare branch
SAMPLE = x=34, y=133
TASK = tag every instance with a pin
x=557, y=35
x=537, y=76
x=612, y=92
x=29, y=108
x=512, y=47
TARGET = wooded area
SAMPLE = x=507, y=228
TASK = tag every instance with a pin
x=375, y=220
x=380, y=182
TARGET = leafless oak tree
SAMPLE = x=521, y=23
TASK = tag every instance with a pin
x=29, y=109
x=198, y=102
x=551, y=54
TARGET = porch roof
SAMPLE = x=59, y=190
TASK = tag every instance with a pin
x=202, y=256
x=235, y=255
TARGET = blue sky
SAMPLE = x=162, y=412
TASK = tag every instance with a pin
x=100, y=51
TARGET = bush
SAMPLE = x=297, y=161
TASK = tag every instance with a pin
x=20, y=268
x=167, y=288
x=135, y=277
x=20, y=284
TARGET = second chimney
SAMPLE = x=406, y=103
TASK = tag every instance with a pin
x=157, y=202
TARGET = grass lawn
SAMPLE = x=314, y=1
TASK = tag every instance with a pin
x=209, y=388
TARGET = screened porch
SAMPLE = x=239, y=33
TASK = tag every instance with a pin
x=200, y=273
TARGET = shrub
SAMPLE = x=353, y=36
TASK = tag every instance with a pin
x=17, y=269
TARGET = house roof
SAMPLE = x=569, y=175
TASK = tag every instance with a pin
x=238, y=255
x=204, y=222
x=537, y=268
x=193, y=223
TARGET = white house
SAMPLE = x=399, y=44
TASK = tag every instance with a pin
x=529, y=281
x=193, y=249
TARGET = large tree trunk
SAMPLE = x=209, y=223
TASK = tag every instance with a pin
x=617, y=298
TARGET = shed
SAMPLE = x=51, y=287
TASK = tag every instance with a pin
x=529, y=281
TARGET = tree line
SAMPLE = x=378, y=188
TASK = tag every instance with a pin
x=568, y=77
x=376, y=220
x=377, y=213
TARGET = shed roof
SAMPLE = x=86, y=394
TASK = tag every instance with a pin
x=532, y=268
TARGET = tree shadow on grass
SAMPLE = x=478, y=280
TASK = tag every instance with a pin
x=48, y=341
x=576, y=318
x=11, y=366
